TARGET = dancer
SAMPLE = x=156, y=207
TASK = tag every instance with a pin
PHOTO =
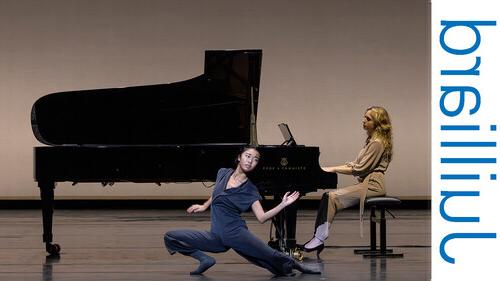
x=233, y=194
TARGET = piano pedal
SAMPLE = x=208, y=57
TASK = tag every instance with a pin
x=297, y=254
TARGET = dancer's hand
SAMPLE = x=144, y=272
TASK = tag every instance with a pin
x=290, y=198
x=196, y=208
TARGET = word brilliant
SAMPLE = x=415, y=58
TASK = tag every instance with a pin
x=459, y=104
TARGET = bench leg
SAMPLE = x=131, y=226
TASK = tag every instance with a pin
x=383, y=251
x=373, y=228
x=373, y=252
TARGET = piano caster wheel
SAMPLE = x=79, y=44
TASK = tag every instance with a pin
x=53, y=249
x=274, y=244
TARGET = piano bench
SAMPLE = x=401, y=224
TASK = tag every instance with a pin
x=381, y=204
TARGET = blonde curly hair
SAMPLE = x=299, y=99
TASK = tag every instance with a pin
x=383, y=129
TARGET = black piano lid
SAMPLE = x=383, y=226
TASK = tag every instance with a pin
x=211, y=108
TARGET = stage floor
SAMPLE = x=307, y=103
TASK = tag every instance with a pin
x=128, y=245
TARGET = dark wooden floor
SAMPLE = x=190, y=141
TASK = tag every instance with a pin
x=128, y=245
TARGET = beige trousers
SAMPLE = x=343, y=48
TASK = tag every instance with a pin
x=334, y=201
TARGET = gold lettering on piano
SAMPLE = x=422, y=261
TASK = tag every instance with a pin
x=286, y=168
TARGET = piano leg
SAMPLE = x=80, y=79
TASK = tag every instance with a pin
x=278, y=222
x=290, y=217
x=291, y=225
x=285, y=223
x=47, y=196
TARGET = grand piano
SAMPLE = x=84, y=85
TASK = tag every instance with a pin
x=178, y=132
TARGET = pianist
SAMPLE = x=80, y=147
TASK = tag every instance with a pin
x=233, y=194
x=369, y=167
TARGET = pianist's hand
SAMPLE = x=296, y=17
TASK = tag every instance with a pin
x=196, y=208
x=290, y=198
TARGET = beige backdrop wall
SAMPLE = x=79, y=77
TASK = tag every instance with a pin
x=324, y=62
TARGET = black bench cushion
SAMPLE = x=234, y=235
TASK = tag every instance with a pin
x=383, y=201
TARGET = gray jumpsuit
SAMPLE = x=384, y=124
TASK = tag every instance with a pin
x=228, y=230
